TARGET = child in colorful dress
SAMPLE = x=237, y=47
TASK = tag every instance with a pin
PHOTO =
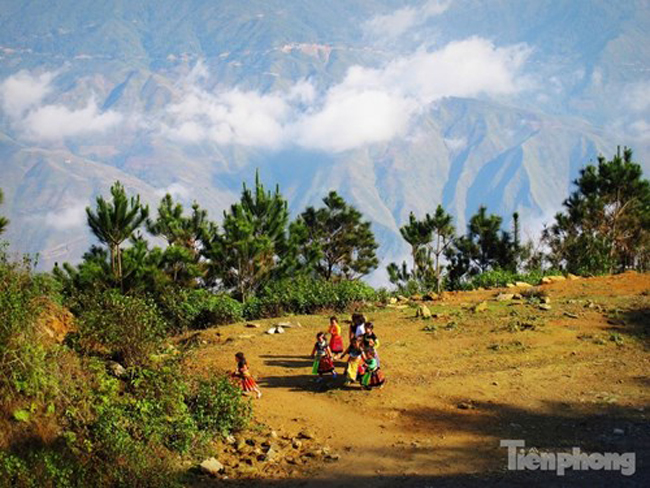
x=246, y=381
x=358, y=326
x=370, y=340
x=373, y=377
x=336, y=341
x=323, y=363
x=355, y=353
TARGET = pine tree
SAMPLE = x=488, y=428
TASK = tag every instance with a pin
x=484, y=231
x=116, y=221
x=336, y=242
x=443, y=231
x=606, y=224
x=418, y=234
x=186, y=236
x=249, y=249
x=3, y=221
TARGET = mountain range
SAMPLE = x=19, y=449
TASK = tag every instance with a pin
x=398, y=106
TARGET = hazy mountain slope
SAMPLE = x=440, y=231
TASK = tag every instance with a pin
x=192, y=97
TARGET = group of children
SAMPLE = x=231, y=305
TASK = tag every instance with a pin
x=362, y=365
x=363, y=360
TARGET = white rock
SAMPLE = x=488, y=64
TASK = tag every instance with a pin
x=211, y=466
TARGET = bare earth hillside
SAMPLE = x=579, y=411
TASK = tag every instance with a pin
x=572, y=375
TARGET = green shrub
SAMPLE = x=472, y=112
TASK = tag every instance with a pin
x=217, y=310
x=218, y=406
x=130, y=328
x=23, y=296
x=307, y=295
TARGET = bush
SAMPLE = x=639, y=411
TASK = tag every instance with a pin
x=218, y=406
x=23, y=296
x=307, y=295
x=217, y=310
x=129, y=328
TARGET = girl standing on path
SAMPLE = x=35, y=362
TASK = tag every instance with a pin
x=246, y=381
x=354, y=352
x=336, y=341
x=321, y=351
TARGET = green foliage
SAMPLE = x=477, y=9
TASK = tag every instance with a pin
x=304, y=295
x=186, y=236
x=23, y=366
x=116, y=221
x=335, y=240
x=3, y=220
x=485, y=247
x=250, y=249
x=217, y=310
x=130, y=328
x=218, y=406
x=606, y=223
x=429, y=238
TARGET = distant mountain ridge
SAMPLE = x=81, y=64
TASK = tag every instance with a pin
x=192, y=97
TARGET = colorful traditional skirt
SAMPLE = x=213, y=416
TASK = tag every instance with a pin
x=352, y=370
x=323, y=365
x=336, y=343
x=246, y=382
x=373, y=379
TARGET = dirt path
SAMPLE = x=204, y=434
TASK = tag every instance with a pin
x=556, y=378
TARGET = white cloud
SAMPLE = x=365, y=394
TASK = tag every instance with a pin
x=176, y=190
x=22, y=95
x=369, y=105
x=403, y=20
x=23, y=90
x=70, y=217
x=637, y=96
x=55, y=122
x=229, y=117
x=353, y=118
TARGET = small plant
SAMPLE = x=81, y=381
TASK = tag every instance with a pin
x=616, y=338
x=218, y=406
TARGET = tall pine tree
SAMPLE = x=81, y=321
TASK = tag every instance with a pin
x=606, y=223
x=115, y=221
x=249, y=249
x=335, y=240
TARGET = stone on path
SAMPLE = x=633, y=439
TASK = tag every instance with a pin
x=480, y=307
x=423, y=312
x=211, y=466
x=504, y=297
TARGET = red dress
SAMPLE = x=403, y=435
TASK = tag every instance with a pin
x=247, y=382
x=336, y=341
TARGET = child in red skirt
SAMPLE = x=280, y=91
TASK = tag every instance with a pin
x=336, y=341
x=323, y=363
x=246, y=381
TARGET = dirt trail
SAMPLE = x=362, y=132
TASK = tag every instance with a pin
x=558, y=378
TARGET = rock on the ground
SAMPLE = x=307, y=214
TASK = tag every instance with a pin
x=480, y=307
x=251, y=325
x=547, y=280
x=571, y=276
x=523, y=284
x=423, y=312
x=117, y=370
x=392, y=300
x=306, y=434
x=504, y=297
x=211, y=466
x=544, y=306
